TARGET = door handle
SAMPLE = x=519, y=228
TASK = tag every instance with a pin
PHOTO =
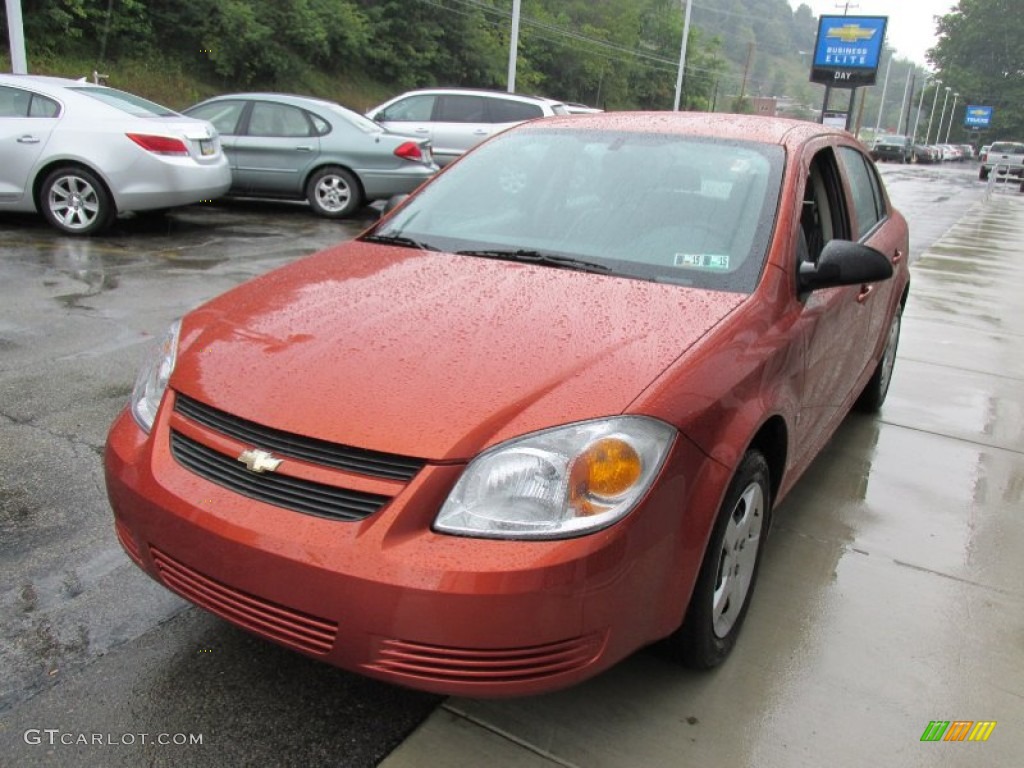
x=28, y=140
x=897, y=257
x=422, y=130
x=480, y=132
x=303, y=148
x=865, y=291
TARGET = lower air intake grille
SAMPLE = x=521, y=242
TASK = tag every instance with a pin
x=462, y=665
x=301, y=631
x=274, y=488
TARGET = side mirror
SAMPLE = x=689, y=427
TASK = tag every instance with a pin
x=843, y=263
x=393, y=202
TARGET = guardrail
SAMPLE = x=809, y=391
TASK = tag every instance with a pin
x=993, y=178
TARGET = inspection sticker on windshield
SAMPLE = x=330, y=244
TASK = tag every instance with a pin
x=718, y=261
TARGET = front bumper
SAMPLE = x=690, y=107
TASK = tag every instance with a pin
x=388, y=598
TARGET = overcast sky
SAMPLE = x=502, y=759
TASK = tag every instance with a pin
x=911, y=28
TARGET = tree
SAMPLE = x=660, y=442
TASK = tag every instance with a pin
x=980, y=54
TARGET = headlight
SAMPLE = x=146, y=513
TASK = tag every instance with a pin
x=153, y=377
x=558, y=483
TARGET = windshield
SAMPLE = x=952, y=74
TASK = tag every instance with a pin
x=364, y=124
x=687, y=210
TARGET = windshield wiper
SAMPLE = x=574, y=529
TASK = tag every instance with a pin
x=406, y=242
x=536, y=257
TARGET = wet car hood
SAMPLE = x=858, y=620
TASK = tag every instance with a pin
x=434, y=355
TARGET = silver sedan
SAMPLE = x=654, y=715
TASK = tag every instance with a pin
x=298, y=147
x=81, y=153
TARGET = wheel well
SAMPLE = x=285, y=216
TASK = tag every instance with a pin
x=772, y=440
x=315, y=171
x=37, y=185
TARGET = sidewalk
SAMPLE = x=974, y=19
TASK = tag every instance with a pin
x=892, y=591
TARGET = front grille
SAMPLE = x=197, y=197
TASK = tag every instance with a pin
x=501, y=665
x=274, y=488
x=323, y=452
x=298, y=630
x=127, y=541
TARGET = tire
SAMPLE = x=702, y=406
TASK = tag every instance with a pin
x=983, y=174
x=75, y=201
x=334, y=193
x=728, y=574
x=877, y=388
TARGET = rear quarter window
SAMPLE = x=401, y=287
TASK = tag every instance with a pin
x=508, y=111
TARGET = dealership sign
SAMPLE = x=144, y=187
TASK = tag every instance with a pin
x=978, y=117
x=848, y=50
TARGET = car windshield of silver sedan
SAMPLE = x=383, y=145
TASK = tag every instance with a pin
x=669, y=208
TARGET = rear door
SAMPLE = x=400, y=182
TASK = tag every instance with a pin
x=410, y=116
x=27, y=120
x=460, y=122
x=277, y=148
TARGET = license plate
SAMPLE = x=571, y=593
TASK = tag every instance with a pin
x=206, y=147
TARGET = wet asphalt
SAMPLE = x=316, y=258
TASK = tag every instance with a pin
x=89, y=646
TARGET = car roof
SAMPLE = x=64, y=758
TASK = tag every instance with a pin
x=484, y=92
x=768, y=130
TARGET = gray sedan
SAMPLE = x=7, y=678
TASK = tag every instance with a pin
x=81, y=153
x=285, y=146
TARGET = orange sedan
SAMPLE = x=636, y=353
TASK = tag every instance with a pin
x=535, y=418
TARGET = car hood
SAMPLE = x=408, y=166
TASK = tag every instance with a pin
x=434, y=355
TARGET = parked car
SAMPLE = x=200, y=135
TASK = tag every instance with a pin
x=457, y=119
x=81, y=153
x=513, y=433
x=926, y=153
x=897, y=148
x=983, y=152
x=294, y=147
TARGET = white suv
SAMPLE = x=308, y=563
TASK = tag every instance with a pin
x=457, y=119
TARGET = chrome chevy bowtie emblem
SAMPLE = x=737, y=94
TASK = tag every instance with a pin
x=256, y=460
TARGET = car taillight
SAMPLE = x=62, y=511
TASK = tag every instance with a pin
x=159, y=145
x=410, y=151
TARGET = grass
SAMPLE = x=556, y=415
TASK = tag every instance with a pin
x=173, y=83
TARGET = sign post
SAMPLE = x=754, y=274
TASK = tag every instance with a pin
x=846, y=55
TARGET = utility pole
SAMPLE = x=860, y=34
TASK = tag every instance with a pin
x=909, y=102
x=513, y=47
x=16, y=34
x=920, y=104
x=903, y=103
x=682, y=57
x=746, y=71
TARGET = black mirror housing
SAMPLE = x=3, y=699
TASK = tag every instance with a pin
x=844, y=263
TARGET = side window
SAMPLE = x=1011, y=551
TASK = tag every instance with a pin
x=321, y=126
x=223, y=114
x=461, y=109
x=866, y=190
x=415, y=109
x=823, y=215
x=14, y=102
x=509, y=111
x=278, y=120
x=43, y=107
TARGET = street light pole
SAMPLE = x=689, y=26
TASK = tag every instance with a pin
x=951, y=111
x=881, y=105
x=935, y=101
x=682, y=57
x=942, y=115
